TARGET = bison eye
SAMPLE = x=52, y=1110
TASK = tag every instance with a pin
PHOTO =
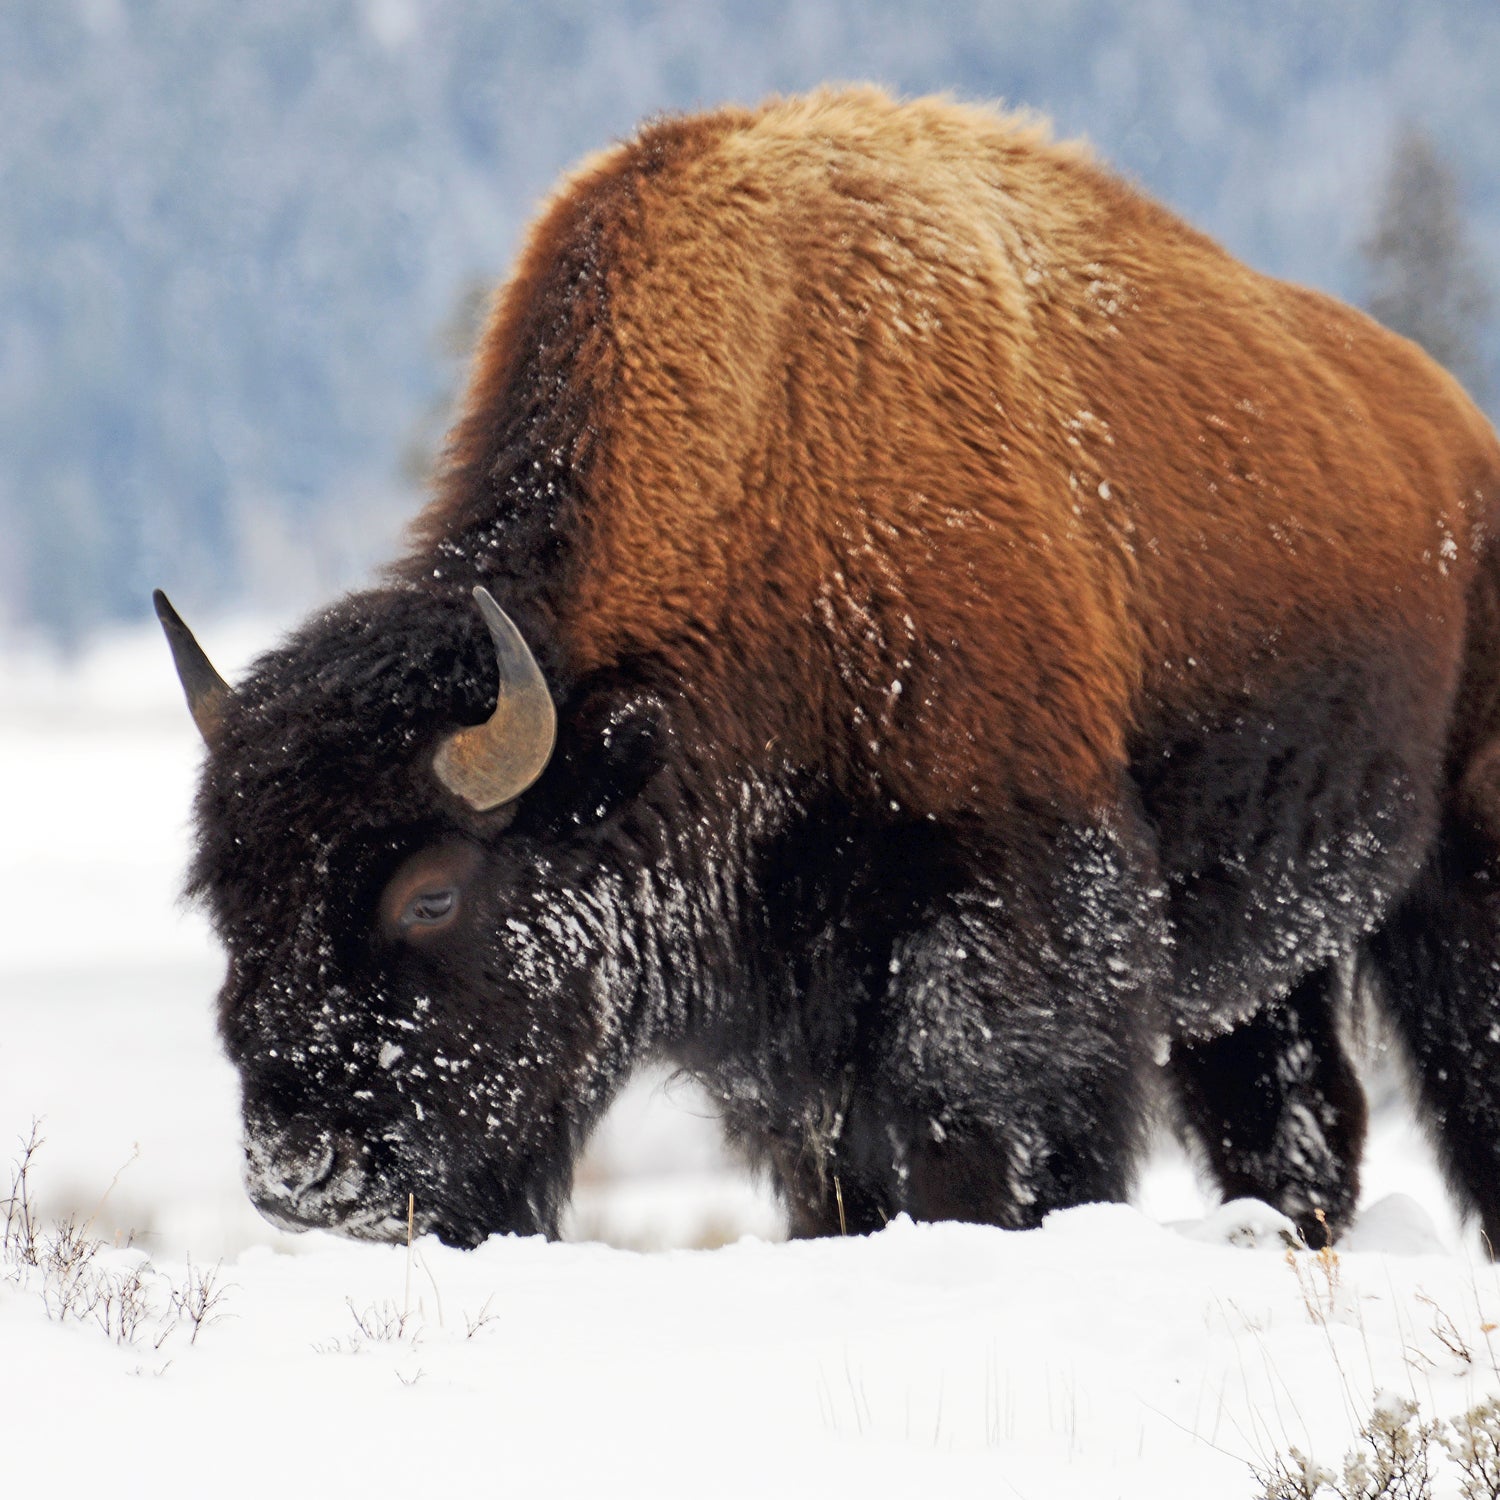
x=426, y=894
x=430, y=909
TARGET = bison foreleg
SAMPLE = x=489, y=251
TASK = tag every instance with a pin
x=1006, y=1076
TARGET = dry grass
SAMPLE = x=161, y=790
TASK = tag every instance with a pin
x=80, y=1278
x=1400, y=1454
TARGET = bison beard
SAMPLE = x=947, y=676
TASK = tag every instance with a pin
x=995, y=644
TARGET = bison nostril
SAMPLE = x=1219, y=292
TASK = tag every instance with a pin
x=311, y=1173
x=302, y=1175
x=289, y=1165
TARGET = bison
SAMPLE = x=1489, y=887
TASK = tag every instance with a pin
x=953, y=648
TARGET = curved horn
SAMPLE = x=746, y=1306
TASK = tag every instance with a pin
x=206, y=691
x=495, y=762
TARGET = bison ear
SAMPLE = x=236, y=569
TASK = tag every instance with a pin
x=614, y=743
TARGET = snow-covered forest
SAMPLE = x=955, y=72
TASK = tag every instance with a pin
x=236, y=238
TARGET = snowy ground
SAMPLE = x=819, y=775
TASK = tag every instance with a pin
x=1127, y=1351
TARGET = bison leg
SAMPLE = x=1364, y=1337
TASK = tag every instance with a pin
x=1278, y=1108
x=973, y=1027
x=1038, y=1116
x=832, y=1196
x=1009, y=1063
x=1436, y=961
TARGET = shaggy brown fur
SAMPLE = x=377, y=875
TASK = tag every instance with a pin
x=908, y=392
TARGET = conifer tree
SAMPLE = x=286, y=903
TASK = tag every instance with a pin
x=1423, y=278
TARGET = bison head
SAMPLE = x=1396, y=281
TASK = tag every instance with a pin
x=428, y=970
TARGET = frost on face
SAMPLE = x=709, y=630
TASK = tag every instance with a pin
x=474, y=1092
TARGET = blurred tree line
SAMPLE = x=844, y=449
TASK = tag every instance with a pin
x=229, y=232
